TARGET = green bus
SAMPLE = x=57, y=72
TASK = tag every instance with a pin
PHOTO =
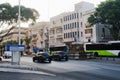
x=112, y=48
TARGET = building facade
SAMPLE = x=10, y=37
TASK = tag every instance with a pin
x=56, y=31
x=75, y=27
x=67, y=28
x=13, y=34
x=39, y=34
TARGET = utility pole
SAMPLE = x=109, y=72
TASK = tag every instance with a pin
x=19, y=21
x=47, y=40
x=19, y=17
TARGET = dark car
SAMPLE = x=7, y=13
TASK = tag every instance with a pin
x=42, y=57
x=0, y=58
x=60, y=55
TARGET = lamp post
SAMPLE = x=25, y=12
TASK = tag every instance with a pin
x=19, y=36
x=47, y=40
x=19, y=16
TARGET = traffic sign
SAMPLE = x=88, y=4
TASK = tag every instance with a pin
x=15, y=47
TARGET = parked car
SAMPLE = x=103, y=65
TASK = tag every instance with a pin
x=42, y=57
x=7, y=54
x=59, y=55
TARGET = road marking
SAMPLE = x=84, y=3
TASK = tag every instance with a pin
x=25, y=71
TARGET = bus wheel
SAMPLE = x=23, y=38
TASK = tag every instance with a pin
x=96, y=54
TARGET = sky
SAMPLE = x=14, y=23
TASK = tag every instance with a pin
x=50, y=8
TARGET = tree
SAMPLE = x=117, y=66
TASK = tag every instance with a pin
x=9, y=17
x=108, y=13
x=27, y=41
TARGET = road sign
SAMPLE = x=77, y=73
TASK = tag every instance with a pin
x=15, y=48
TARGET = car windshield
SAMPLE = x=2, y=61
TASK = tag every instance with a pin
x=61, y=53
x=45, y=54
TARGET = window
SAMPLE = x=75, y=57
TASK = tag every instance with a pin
x=77, y=15
x=72, y=16
x=72, y=25
x=61, y=20
x=68, y=35
x=59, y=31
x=64, y=35
x=88, y=31
x=73, y=34
x=103, y=31
x=68, y=26
x=64, y=18
x=81, y=24
x=64, y=27
x=53, y=22
x=68, y=17
x=78, y=33
x=81, y=15
x=77, y=24
x=81, y=34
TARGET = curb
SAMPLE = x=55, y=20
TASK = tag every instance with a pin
x=23, y=67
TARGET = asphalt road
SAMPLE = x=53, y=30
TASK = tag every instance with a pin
x=68, y=70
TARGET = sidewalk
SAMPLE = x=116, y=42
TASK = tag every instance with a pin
x=8, y=64
x=109, y=60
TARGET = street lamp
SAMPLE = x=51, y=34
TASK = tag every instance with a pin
x=19, y=17
x=47, y=40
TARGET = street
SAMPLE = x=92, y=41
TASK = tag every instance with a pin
x=69, y=70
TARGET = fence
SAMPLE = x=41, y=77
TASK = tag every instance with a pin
x=84, y=55
x=90, y=55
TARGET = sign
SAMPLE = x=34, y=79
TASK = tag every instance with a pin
x=15, y=48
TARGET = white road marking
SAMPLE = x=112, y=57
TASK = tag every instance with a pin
x=25, y=71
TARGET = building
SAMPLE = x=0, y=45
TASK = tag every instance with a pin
x=39, y=34
x=56, y=32
x=96, y=33
x=13, y=34
x=74, y=27
x=69, y=27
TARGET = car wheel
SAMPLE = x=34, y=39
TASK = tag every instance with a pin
x=0, y=59
x=5, y=57
x=59, y=59
x=33, y=60
x=49, y=61
x=66, y=58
